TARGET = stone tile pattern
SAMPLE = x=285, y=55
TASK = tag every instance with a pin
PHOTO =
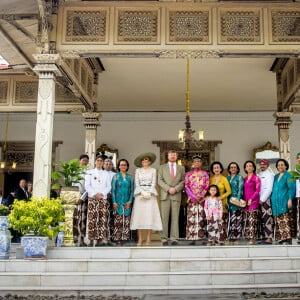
x=188, y=26
x=26, y=91
x=86, y=26
x=137, y=26
x=285, y=26
x=240, y=26
x=3, y=92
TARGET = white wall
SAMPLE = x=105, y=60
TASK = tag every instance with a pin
x=133, y=133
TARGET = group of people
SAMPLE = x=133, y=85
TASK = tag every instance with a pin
x=219, y=208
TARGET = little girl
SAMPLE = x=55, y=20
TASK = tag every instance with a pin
x=213, y=211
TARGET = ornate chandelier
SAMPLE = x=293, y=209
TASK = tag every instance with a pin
x=186, y=136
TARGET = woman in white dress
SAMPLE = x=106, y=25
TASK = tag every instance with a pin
x=145, y=211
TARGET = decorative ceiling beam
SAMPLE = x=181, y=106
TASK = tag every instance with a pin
x=14, y=45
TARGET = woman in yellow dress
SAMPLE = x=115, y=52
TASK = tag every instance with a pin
x=222, y=183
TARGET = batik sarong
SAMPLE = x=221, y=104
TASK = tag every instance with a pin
x=223, y=227
x=121, y=230
x=196, y=222
x=266, y=220
x=213, y=231
x=282, y=227
x=250, y=224
x=79, y=223
x=97, y=219
x=235, y=225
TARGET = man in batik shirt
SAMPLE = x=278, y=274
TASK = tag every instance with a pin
x=196, y=186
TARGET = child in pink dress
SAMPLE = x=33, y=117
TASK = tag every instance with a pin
x=213, y=210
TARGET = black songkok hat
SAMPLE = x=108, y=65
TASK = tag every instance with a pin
x=197, y=156
x=83, y=156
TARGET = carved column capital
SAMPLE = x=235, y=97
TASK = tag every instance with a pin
x=47, y=65
x=91, y=120
x=283, y=119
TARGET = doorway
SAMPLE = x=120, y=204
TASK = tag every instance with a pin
x=12, y=179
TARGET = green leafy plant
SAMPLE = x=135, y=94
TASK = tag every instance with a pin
x=295, y=174
x=4, y=210
x=70, y=172
x=40, y=217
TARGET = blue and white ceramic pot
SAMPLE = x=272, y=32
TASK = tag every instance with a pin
x=34, y=246
x=5, y=238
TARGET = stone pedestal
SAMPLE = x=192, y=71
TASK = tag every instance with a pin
x=69, y=197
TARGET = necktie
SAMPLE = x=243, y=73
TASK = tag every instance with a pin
x=172, y=171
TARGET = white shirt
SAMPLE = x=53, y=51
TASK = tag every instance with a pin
x=174, y=167
x=298, y=188
x=111, y=174
x=97, y=181
x=267, y=179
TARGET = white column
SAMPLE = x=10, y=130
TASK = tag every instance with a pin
x=47, y=70
x=91, y=122
x=283, y=121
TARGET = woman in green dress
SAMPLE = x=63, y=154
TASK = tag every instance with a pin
x=282, y=195
x=122, y=197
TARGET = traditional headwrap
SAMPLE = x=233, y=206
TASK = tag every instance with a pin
x=264, y=162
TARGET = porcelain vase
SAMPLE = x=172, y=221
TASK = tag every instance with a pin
x=34, y=246
x=5, y=238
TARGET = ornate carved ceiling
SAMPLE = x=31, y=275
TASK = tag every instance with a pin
x=144, y=31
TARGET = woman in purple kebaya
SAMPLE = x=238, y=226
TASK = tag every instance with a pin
x=251, y=196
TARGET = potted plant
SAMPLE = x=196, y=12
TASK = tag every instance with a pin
x=68, y=174
x=295, y=174
x=4, y=232
x=38, y=220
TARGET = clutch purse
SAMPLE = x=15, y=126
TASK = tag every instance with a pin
x=235, y=201
x=145, y=195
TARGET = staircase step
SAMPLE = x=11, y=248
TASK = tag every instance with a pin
x=171, y=252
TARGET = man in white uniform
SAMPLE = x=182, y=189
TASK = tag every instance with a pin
x=266, y=217
x=97, y=185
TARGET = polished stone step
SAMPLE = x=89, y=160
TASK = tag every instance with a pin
x=171, y=252
x=155, y=270
x=152, y=265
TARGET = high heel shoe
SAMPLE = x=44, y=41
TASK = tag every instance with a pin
x=139, y=244
x=148, y=244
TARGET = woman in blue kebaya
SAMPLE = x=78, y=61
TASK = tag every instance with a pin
x=122, y=195
x=282, y=195
x=236, y=182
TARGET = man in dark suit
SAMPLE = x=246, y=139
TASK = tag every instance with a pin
x=171, y=182
x=21, y=192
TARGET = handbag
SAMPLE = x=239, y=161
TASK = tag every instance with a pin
x=145, y=195
x=237, y=202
